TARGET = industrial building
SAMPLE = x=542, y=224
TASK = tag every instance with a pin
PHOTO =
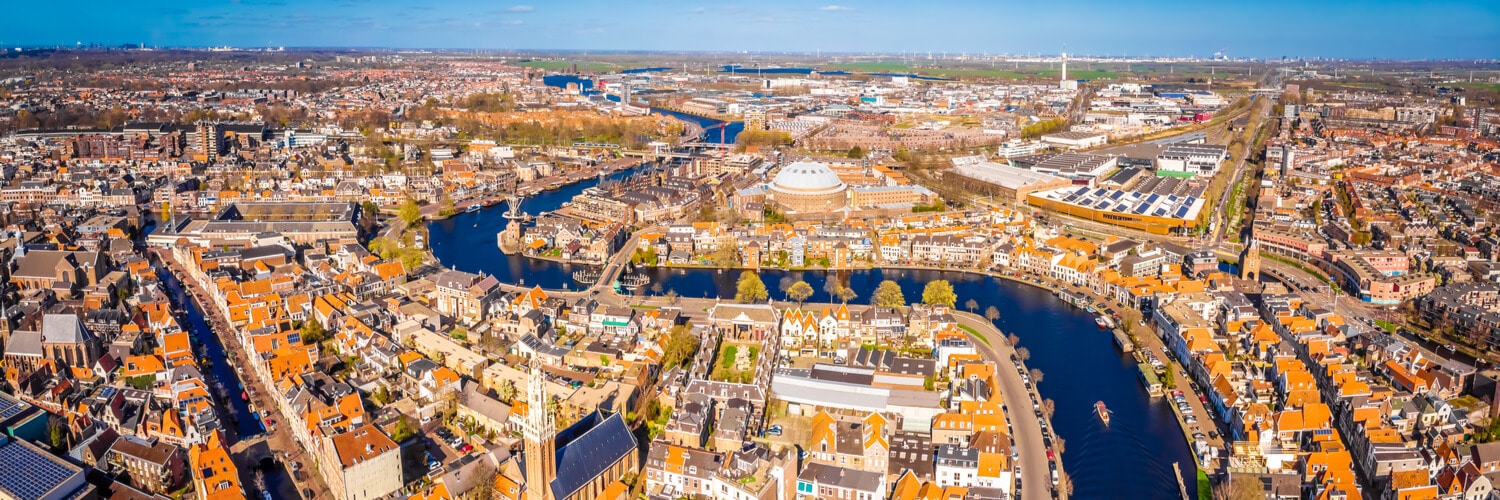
x=1142, y=209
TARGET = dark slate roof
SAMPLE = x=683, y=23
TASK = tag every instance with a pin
x=64, y=328
x=588, y=448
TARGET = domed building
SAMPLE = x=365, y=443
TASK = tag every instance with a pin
x=808, y=187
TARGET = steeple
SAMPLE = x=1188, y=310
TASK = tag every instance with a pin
x=540, y=431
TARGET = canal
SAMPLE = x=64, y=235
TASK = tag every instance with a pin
x=710, y=126
x=274, y=476
x=467, y=241
x=1133, y=456
x=238, y=409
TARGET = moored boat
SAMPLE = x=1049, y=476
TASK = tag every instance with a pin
x=472, y=208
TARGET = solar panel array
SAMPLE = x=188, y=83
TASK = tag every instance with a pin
x=10, y=408
x=30, y=473
x=1143, y=202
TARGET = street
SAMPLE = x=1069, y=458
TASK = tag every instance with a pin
x=277, y=439
x=1036, y=478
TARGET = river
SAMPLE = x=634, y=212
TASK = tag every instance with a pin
x=1080, y=362
x=710, y=126
x=467, y=241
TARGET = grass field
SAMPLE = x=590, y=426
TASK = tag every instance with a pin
x=976, y=334
x=561, y=65
x=1477, y=86
x=968, y=72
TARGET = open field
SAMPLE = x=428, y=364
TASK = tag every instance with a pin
x=562, y=65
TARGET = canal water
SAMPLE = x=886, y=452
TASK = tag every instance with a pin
x=710, y=126
x=467, y=241
x=222, y=372
x=1131, y=458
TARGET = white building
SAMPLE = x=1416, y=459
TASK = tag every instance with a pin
x=1076, y=140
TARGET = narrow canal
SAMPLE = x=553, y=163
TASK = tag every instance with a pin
x=224, y=374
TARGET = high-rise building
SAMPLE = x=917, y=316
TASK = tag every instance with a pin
x=210, y=140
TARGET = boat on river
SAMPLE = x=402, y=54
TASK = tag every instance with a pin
x=1102, y=411
x=472, y=209
x=1103, y=321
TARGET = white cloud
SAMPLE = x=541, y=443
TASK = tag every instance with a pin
x=836, y=8
x=520, y=9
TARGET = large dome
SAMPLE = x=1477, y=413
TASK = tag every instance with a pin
x=805, y=177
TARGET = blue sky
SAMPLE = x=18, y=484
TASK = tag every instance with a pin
x=1266, y=28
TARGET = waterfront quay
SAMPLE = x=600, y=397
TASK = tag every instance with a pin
x=1081, y=362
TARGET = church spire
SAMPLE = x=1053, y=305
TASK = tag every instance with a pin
x=541, y=433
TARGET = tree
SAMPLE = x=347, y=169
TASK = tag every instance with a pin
x=681, y=347
x=1013, y=339
x=1238, y=487
x=370, y=209
x=403, y=430
x=381, y=396
x=142, y=382
x=992, y=313
x=1167, y=379
x=1023, y=353
x=939, y=292
x=971, y=305
x=846, y=294
x=57, y=434
x=410, y=213
x=856, y=152
x=312, y=332
x=1048, y=408
x=750, y=289
x=799, y=292
x=888, y=294
x=506, y=391
x=1036, y=376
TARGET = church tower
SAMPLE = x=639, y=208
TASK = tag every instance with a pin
x=541, y=433
x=1250, y=261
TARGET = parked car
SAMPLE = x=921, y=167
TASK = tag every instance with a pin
x=775, y=430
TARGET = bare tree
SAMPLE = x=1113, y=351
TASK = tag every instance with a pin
x=1023, y=353
x=1242, y=487
x=991, y=313
x=1036, y=376
x=971, y=305
x=1048, y=408
x=1013, y=339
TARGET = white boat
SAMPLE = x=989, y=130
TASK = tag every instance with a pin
x=472, y=208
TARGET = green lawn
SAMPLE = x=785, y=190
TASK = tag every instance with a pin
x=1386, y=325
x=981, y=336
x=1205, y=488
x=872, y=67
x=561, y=65
x=1079, y=74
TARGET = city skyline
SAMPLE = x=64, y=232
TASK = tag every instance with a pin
x=1271, y=30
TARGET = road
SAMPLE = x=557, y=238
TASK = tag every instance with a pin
x=1036, y=478
x=1239, y=169
x=277, y=437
